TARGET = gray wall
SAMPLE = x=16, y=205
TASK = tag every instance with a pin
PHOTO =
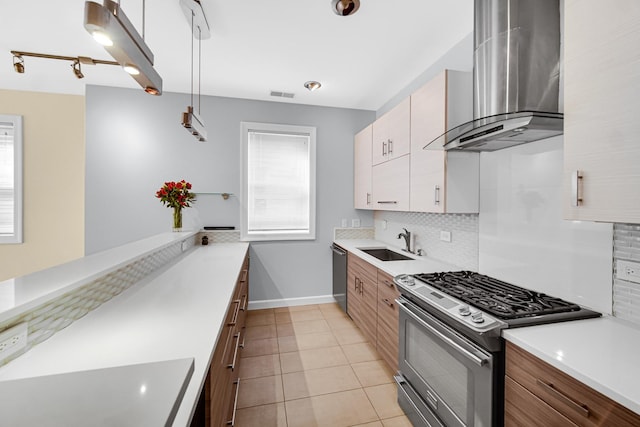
x=134, y=143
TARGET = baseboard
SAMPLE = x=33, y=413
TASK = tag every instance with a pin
x=290, y=302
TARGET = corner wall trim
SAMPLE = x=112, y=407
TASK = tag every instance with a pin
x=290, y=302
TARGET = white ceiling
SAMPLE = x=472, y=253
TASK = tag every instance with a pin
x=256, y=46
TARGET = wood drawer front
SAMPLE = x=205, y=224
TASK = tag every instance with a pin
x=385, y=279
x=521, y=408
x=369, y=271
x=388, y=339
x=575, y=400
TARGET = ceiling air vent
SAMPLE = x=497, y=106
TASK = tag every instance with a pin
x=282, y=94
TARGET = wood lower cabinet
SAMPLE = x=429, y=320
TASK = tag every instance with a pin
x=222, y=383
x=371, y=304
x=362, y=295
x=388, y=322
x=538, y=394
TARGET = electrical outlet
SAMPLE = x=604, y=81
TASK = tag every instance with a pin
x=627, y=270
x=445, y=236
x=355, y=223
x=345, y=224
x=13, y=340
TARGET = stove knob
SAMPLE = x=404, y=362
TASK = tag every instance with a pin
x=464, y=310
x=477, y=317
x=409, y=281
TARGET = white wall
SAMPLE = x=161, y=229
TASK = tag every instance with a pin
x=523, y=238
x=135, y=143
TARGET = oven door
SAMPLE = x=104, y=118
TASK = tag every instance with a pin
x=452, y=375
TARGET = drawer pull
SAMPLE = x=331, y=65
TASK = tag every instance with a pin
x=232, y=365
x=579, y=407
x=243, y=304
x=388, y=283
x=389, y=303
x=244, y=275
x=232, y=421
x=234, y=320
x=388, y=202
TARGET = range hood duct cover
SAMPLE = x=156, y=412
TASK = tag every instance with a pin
x=516, y=77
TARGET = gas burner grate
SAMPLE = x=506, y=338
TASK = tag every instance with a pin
x=502, y=299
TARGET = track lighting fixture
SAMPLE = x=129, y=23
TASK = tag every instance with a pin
x=76, y=69
x=18, y=63
x=110, y=27
x=200, y=28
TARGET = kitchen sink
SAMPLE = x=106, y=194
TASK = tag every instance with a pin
x=384, y=254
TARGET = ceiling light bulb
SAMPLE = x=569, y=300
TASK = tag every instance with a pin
x=312, y=85
x=152, y=90
x=18, y=64
x=131, y=69
x=102, y=38
x=345, y=7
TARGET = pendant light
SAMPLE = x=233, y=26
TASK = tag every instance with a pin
x=110, y=27
x=191, y=119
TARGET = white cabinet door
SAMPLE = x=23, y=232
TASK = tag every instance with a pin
x=440, y=181
x=391, y=133
x=362, y=169
x=391, y=185
x=602, y=110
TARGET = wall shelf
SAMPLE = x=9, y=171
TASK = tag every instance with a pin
x=225, y=196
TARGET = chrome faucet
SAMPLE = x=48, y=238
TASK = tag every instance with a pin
x=407, y=239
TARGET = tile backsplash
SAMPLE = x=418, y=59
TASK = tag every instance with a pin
x=626, y=294
x=461, y=251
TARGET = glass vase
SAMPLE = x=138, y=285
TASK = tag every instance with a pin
x=177, y=219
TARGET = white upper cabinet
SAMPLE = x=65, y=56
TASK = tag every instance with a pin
x=602, y=110
x=391, y=185
x=440, y=181
x=362, y=169
x=391, y=134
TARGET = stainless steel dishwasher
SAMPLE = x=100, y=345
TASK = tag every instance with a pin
x=340, y=275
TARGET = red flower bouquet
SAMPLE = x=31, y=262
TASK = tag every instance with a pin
x=176, y=195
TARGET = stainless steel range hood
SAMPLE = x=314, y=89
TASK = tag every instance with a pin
x=516, y=77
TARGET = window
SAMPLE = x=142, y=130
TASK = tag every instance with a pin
x=10, y=179
x=278, y=182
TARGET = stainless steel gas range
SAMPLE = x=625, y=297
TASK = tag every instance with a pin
x=451, y=361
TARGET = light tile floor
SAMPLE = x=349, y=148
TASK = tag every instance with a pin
x=311, y=366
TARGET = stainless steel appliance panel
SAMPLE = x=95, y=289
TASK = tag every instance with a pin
x=340, y=276
x=454, y=377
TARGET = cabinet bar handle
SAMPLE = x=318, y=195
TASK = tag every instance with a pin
x=389, y=303
x=244, y=275
x=388, y=283
x=390, y=142
x=356, y=281
x=232, y=421
x=388, y=202
x=579, y=407
x=243, y=304
x=234, y=320
x=436, y=195
x=232, y=365
x=384, y=148
x=368, y=198
x=576, y=199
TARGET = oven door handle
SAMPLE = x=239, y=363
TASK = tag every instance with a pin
x=480, y=361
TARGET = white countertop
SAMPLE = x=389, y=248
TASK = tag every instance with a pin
x=23, y=293
x=129, y=396
x=602, y=353
x=174, y=313
x=419, y=264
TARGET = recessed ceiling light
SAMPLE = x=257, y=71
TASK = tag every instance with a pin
x=312, y=85
x=345, y=7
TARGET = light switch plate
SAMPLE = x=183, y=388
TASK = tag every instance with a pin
x=445, y=236
x=344, y=223
x=355, y=223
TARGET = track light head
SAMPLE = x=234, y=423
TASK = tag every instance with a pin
x=76, y=69
x=18, y=64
